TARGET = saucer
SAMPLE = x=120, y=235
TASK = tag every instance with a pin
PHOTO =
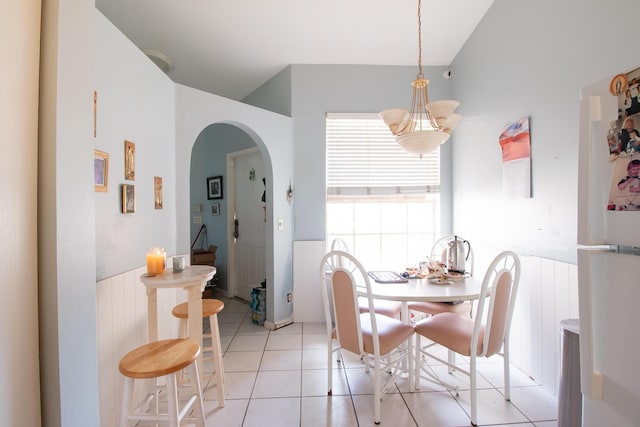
x=455, y=276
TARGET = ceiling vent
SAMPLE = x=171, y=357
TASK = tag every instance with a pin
x=160, y=59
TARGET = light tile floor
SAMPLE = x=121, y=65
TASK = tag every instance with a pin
x=279, y=379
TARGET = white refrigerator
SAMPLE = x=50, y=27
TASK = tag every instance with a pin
x=608, y=257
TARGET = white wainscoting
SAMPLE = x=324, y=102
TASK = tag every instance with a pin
x=548, y=293
x=307, y=298
x=122, y=326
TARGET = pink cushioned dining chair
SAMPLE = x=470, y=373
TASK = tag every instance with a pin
x=385, y=340
x=388, y=308
x=483, y=336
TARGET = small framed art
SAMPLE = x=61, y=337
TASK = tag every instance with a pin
x=129, y=160
x=215, y=209
x=128, y=198
x=157, y=192
x=100, y=171
x=214, y=187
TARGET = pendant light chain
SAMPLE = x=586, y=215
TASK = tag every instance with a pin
x=420, y=39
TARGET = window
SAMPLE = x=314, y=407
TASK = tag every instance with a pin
x=382, y=201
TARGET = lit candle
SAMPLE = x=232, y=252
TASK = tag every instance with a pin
x=156, y=258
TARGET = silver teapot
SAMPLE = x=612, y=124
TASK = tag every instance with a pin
x=458, y=251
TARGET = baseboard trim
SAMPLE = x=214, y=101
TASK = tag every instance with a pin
x=273, y=326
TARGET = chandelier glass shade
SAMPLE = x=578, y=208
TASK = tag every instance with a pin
x=426, y=126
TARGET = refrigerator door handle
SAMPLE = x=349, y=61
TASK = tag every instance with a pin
x=590, y=378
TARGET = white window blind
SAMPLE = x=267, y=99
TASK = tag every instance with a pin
x=363, y=159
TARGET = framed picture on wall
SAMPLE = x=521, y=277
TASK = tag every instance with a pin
x=214, y=187
x=100, y=171
x=129, y=160
x=157, y=192
x=215, y=209
x=128, y=198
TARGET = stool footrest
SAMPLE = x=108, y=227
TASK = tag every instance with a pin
x=143, y=416
x=140, y=409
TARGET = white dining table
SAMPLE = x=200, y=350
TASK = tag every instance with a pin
x=193, y=280
x=423, y=289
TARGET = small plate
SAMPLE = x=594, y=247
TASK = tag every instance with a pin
x=440, y=280
x=455, y=276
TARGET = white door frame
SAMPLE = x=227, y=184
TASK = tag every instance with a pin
x=232, y=280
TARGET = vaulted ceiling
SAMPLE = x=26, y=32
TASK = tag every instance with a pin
x=232, y=47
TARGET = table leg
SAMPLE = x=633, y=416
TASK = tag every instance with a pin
x=152, y=314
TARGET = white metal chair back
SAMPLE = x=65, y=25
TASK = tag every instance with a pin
x=499, y=289
x=345, y=280
x=339, y=245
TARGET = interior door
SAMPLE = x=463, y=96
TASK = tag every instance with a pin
x=250, y=213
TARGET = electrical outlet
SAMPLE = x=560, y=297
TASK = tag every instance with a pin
x=197, y=219
x=289, y=297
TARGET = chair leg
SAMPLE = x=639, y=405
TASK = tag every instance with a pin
x=127, y=395
x=452, y=361
x=417, y=359
x=330, y=366
x=216, y=348
x=474, y=397
x=377, y=395
x=172, y=400
x=367, y=362
x=182, y=333
x=507, y=372
x=197, y=390
x=411, y=364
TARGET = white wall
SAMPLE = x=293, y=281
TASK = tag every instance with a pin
x=66, y=217
x=530, y=58
x=195, y=110
x=135, y=103
x=19, y=370
x=274, y=95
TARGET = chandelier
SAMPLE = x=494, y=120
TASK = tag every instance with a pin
x=426, y=126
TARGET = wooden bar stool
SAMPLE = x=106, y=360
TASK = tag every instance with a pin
x=210, y=309
x=162, y=359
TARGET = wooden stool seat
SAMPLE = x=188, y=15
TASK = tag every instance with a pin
x=210, y=309
x=162, y=359
x=159, y=358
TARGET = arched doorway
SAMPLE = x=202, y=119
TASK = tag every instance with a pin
x=209, y=156
x=246, y=233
